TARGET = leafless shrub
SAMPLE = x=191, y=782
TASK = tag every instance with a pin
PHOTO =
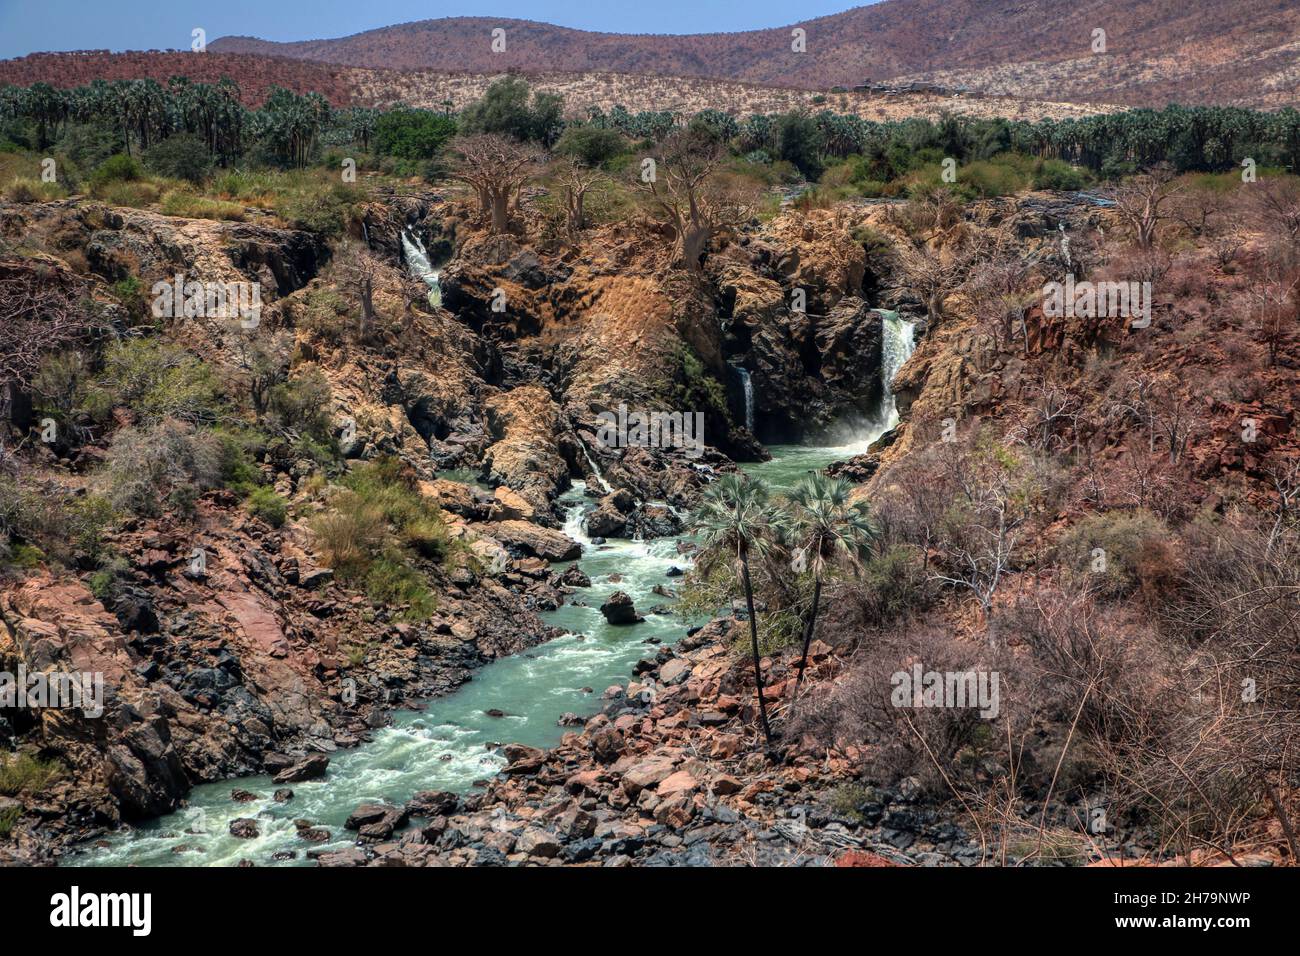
x=168, y=463
x=1141, y=203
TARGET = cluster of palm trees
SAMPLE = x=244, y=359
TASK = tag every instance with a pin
x=1191, y=138
x=144, y=112
x=814, y=530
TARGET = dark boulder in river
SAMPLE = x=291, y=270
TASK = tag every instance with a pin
x=619, y=609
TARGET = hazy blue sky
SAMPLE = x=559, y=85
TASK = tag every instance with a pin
x=29, y=26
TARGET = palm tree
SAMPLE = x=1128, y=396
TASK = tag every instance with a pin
x=735, y=520
x=823, y=524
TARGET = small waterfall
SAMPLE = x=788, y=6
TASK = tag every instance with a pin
x=591, y=463
x=747, y=387
x=573, y=518
x=896, y=345
x=417, y=261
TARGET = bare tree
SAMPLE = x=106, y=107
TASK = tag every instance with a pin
x=940, y=257
x=1141, y=204
x=989, y=502
x=263, y=359
x=683, y=184
x=43, y=307
x=1052, y=409
x=1001, y=290
x=576, y=179
x=359, y=271
x=1274, y=295
x=497, y=169
x=1278, y=203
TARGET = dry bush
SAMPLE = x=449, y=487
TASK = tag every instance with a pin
x=1211, y=746
x=930, y=743
x=169, y=463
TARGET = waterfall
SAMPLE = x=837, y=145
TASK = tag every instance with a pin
x=748, y=388
x=573, y=526
x=591, y=463
x=896, y=344
x=417, y=261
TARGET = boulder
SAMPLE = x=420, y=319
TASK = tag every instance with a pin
x=244, y=828
x=575, y=577
x=675, y=671
x=646, y=773
x=376, y=821
x=537, y=842
x=432, y=803
x=522, y=759
x=620, y=610
x=606, y=522
x=509, y=505
x=532, y=539
x=309, y=768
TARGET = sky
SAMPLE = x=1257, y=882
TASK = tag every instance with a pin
x=31, y=26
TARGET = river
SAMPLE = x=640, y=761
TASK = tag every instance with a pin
x=451, y=744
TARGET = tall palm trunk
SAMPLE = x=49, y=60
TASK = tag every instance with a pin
x=808, y=630
x=753, y=645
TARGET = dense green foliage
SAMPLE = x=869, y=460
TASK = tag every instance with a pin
x=183, y=127
x=412, y=134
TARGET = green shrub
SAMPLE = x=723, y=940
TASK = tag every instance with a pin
x=87, y=145
x=893, y=584
x=183, y=156
x=157, y=380
x=267, y=505
x=1060, y=175
x=412, y=133
x=373, y=529
x=349, y=534
x=23, y=556
x=8, y=820
x=591, y=145
x=300, y=404
x=326, y=209
x=187, y=205
x=119, y=168
x=23, y=773
x=25, y=190
x=1111, y=550
x=47, y=522
x=104, y=581
x=130, y=292
x=429, y=537
x=135, y=195
x=239, y=447
x=390, y=581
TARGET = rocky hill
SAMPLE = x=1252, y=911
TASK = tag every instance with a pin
x=1155, y=50
x=343, y=86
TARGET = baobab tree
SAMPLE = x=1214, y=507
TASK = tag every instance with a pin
x=1141, y=204
x=683, y=182
x=359, y=272
x=576, y=179
x=496, y=168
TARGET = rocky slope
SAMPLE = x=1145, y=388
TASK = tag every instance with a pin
x=260, y=660
x=1156, y=50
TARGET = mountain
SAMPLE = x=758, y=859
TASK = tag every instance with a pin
x=1194, y=51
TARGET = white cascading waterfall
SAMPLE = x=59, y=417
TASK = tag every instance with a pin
x=897, y=340
x=748, y=389
x=591, y=463
x=417, y=261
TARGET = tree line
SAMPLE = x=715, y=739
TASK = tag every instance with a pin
x=290, y=128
